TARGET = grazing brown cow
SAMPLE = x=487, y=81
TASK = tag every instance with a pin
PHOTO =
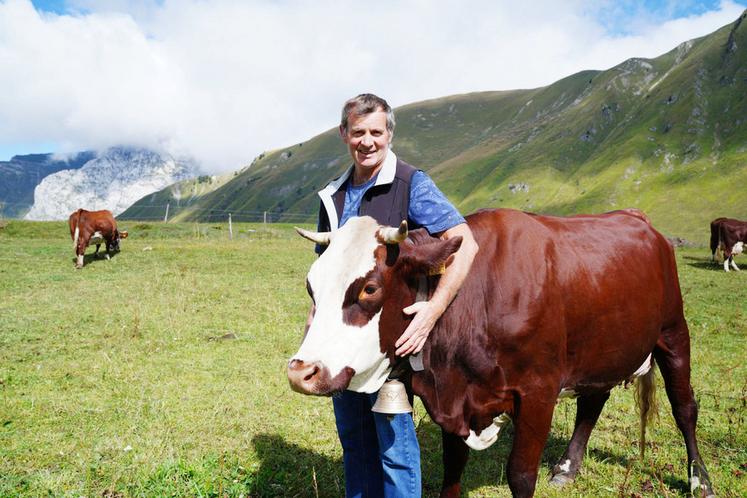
x=552, y=307
x=94, y=227
x=729, y=236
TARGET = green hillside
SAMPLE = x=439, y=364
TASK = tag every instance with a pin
x=179, y=198
x=666, y=135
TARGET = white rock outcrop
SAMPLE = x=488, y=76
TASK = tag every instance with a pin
x=114, y=180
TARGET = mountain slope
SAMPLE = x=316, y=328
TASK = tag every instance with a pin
x=20, y=175
x=112, y=180
x=176, y=200
x=667, y=135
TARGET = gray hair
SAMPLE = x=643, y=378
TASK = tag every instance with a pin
x=366, y=103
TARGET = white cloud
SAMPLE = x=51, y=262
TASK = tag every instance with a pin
x=225, y=80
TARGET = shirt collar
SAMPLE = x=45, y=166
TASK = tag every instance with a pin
x=388, y=169
x=385, y=176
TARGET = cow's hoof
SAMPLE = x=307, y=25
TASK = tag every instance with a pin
x=700, y=482
x=699, y=490
x=560, y=480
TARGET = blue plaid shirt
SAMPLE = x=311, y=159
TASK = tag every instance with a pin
x=429, y=207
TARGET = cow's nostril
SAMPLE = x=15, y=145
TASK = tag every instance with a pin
x=311, y=374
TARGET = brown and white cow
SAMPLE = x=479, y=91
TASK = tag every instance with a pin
x=728, y=236
x=94, y=227
x=552, y=307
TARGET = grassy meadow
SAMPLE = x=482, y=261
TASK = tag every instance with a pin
x=162, y=373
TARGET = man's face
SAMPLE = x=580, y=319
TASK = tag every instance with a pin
x=368, y=140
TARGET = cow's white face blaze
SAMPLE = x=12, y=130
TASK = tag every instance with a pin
x=335, y=339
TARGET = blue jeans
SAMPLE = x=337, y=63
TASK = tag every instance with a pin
x=380, y=452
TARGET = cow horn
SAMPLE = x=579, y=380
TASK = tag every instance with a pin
x=321, y=238
x=391, y=235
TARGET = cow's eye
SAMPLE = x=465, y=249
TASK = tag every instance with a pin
x=368, y=292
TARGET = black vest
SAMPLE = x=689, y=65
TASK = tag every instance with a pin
x=388, y=204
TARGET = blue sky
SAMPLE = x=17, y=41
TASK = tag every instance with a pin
x=619, y=17
x=224, y=80
x=56, y=6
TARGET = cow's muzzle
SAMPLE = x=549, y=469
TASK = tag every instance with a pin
x=314, y=378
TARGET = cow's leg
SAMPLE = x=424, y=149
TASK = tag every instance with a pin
x=672, y=353
x=455, y=455
x=588, y=409
x=734, y=264
x=714, y=242
x=80, y=251
x=531, y=428
x=726, y=262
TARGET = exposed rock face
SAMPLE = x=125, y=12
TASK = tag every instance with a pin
x=20, y=176
x=113, y=180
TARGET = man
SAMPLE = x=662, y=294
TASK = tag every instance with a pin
x=380, y=452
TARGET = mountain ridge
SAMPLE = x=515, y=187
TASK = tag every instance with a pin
x=113, y=179
x=20, y=175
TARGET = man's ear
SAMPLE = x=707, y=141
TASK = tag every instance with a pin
x=430, y=258
x=343, y=134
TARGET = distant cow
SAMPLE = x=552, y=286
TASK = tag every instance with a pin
x=552, y=307
x=729, y=236
x=94, y=227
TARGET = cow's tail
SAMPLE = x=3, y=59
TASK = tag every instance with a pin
x=77, y=231
x=646, y=400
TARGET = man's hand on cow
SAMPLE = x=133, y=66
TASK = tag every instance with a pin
x=413, y=338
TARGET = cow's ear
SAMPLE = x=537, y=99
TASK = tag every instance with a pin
x=428, y=258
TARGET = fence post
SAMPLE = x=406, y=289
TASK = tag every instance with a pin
x=166, y=216
x=264, y=218
x=230, y=228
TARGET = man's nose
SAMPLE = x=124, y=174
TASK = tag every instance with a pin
x=367, y=140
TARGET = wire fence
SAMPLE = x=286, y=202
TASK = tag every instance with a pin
x=211, y=215
x=170, y=212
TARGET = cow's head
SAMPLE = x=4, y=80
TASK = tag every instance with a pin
x=359, y=287
x=118, y=235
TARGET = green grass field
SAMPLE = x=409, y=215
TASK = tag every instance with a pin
x=162, y=373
